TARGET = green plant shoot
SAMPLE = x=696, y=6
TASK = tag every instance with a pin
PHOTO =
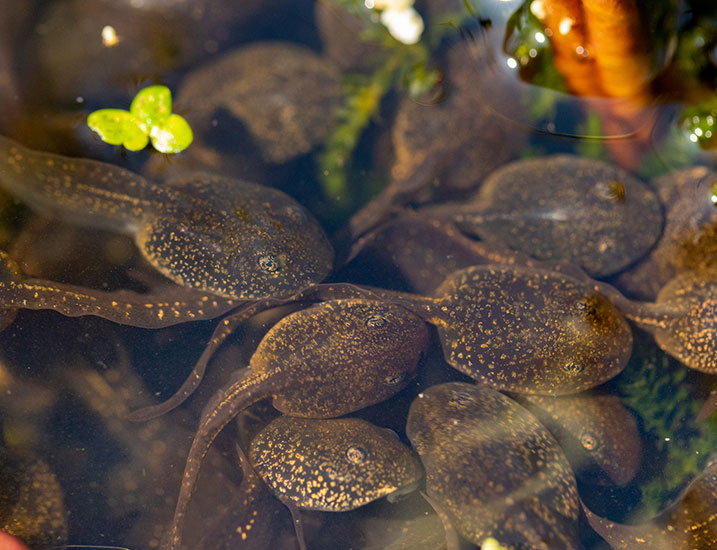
x=149, y=117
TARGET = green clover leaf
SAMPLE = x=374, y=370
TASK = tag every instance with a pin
x=118, y=127
x=172, y=135
x=149, y=117
x=152, y=106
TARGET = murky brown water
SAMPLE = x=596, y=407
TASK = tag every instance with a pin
x=424, y=200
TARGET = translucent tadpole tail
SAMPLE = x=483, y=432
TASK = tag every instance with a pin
x=223, y=330
x=228, y=325
x=220, y=410
x=123, y=307
x=397, y=194
x=77, y=190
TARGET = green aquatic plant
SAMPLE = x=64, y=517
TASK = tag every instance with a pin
x=656, y=388
x=149, y=117
x=362, y=99
x=700, y=123
x=674, y=151
x=526, y=42
x=407, y=65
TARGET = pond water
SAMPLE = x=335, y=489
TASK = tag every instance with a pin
x=480, y=232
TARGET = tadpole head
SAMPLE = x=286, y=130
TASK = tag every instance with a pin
x=332, y=465
x=689, y=333
x=261, y=245
x=342, y=355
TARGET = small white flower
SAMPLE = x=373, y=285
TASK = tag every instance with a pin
x=404, y=25
x=397, y=5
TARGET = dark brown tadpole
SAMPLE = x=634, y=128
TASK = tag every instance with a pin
x=31, y=502
x=156, y=309
x=252, y=519
x=332, y=465
x=566, y=208
x=593, y=430
x=325, y=361
x=210, y=233
x=493, y=470
x=689, y=524
x=447, y=146
x=421, y=250
x=286, y=95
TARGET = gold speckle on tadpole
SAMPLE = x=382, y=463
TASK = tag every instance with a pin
x=332, y=465
x=527, y=330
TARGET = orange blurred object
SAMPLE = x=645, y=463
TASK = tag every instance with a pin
x=600, y=50
x=8, y=542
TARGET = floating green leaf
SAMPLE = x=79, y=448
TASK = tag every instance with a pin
x=152, y=106
x=172, y=135
x=118, y=127
x=149, y=117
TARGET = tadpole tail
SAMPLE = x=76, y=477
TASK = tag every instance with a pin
x=223, y=330
x=77, y=189
x=709, y=407
x=157, y=309
x=220, y=410
x=396, y=195
x=613, y=532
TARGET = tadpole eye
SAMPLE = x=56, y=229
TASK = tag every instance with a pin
x=268, y=263
x=394, y=379
x=588, y=305
x=376, y=321
x=461, y=399
x=356, y=455
x=589, y=441
x=614, y=191
x=573, y=367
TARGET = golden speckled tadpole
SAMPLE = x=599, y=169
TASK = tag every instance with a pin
x=332, y=465
x=689, y=524
x=169, y=307
x=31, y=506
x=210, y=233
x=524, y=329
x=689, y=307
x=683, y=319
x=563, y=207
x=493, y=470
x=325, y=361
x=504, y=319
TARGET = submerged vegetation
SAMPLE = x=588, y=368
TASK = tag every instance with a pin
x=656, y=387
x=397, y=64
